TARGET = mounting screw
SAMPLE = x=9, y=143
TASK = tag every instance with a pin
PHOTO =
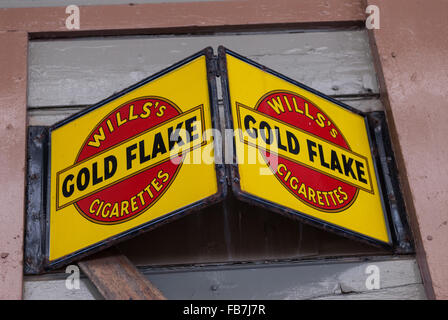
x=214, y=287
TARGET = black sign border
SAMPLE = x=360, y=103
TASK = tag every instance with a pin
x=47, y=265
x=399, y=242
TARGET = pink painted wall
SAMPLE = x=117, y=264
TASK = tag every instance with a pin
x=13, y=82
x=412, y=51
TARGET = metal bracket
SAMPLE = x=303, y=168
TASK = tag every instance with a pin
x=35, y=220
x=389, y=179
x=214, y=69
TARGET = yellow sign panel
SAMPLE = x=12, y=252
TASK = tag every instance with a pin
x=303, y=153
x=129, y=162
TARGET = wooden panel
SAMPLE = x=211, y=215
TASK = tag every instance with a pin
x=116, y=278
x=185, y=17
x=37, y=289
x=49, y=116
x=399, y=279
x=60, y=3
x=409, y=292
x=288, y=281
x=82, y=72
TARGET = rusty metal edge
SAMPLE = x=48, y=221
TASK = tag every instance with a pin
x=35, y=222
x=389, y=179
x=116, y=278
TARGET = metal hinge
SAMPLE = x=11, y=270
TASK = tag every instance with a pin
x=214, y=68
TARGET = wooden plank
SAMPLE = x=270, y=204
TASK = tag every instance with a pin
x=330, y=279
x=184, y=17
x=49, y=116
x=116, y=278
x=83, y=72
x=392, y=274
x=56, y=290
x=307, y=280
x=60, y=3
x=409, y=292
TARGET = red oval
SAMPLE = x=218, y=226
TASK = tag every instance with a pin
x=299, y=112
x=120, y=125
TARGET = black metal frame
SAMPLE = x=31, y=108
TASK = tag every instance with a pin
x=392, y=202
x=35, y=218
x=385, y=158
x=38, y=189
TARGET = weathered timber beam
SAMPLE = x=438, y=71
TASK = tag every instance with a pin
x=116, y=278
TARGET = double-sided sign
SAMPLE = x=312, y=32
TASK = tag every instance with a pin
x=150, y=154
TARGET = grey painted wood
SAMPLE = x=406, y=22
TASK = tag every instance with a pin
x=399, y=279
x=49, y=116
x=408, y=292
x=301, y=281
x=45, y=289
x=60, y=3
x=83, y=72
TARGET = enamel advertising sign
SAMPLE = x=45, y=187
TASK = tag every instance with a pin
x=154, y=152
x=301, y=152
x=130, y=162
